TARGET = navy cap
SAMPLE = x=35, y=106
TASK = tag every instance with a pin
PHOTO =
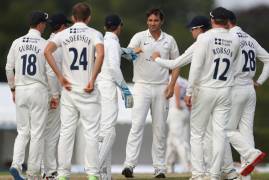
x=58, y=20
x=219, y=13
x=231, y=16
x=37, y=17
x=199, y=22
x=112, y=20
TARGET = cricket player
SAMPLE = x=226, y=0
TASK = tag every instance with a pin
x=26, y=58
x=151, y=91
x=83, y=54
x=240, y=126
x=109, y=79
x=57, y=22
x=178, y=140
x=199, y=25
x=208, y=92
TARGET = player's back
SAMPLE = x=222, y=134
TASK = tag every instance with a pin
x=78, y=48
x=246, y=66
x=28, y=54
x=219, y=51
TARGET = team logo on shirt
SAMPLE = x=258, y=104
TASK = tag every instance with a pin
x=77, y=30
x=28, y=39
x=241, y=35
x=223, y=42
x=217, y=41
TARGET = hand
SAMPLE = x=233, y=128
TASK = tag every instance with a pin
x=54, y=102
x=187, y=100
x=65, y=83
x=13, y=96
x=155, y=55
x=127, y=97
x=137, y=50
x=169, y=91
x=256, y=85
x=90, y=87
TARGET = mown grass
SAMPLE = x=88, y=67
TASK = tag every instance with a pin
x=255, y=176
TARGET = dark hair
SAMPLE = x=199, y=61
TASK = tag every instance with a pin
x=112, y=22
x=81, y=11
x=156, y=12
x=57, y=27
x=231, y=17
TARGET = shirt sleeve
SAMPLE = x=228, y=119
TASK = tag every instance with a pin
x=114, y=60
x=198, y=59
x=98, y=39
x=10, y=66
x=181, y=61
x=135, y=41
x=174, y=53
x=263, y=56
x=57, y=39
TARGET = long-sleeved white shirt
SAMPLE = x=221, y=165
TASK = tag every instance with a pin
x=146, y=70
x=183, y=60
x=213, y=59
x=250, y=50
x=55, y=87
x=111, y=66
x=78, y=47
x=26, y=57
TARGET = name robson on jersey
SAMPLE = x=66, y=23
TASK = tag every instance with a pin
x=222, y=50
x=77, y=37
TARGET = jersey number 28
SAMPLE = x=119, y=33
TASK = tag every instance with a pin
x=250, y=63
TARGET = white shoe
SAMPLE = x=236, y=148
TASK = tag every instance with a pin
x=159, y=173
x=200, y=177
x=231, y=175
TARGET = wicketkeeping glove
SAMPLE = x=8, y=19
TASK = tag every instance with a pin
x=126, y=95
x=128, y=53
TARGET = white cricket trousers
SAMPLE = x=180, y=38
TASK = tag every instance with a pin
x=148, y=96
x=51, y=134
x=75, y=106
x=178, y=139
x=109, y=115
x=31, y=116
x=240, y=126
x=207, y=101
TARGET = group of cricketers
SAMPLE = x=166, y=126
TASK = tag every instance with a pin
x=75, y=76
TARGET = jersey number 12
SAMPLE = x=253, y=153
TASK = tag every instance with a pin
x=222, y=76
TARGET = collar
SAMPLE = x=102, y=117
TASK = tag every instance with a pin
x=161, y=35
x=235, y=29
x=220, y=29
x=111, y=35
x=52, y=35
x=79, y=24
x=34, y=32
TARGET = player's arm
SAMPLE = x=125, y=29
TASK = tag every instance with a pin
x=198, y=59
x=179, y=62
x=10, y=66
x=50, y=48
x=177, y=95
x=174, y=53
x=263, y=56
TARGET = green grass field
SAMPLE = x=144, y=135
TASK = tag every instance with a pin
x=255, y=176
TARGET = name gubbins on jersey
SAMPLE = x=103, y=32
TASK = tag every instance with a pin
x=223, y=50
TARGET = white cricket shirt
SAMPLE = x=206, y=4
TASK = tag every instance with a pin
x=112, y=59
x=26, y=56
x=78, y=47
x=249, y=51
x=146, y=70
x=213, y=60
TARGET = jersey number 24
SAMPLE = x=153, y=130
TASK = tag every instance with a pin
x=82, y=59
